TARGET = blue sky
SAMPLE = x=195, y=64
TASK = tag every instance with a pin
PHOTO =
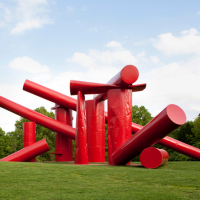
x=52, y=42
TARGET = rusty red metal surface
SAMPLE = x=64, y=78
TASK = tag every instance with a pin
x=127, y=76
x=63, y=144
x=119, y=119
x=29, y=135
x=152, y=157
x=174, y=144
x=95, y=130
x=165, y=122
x=28, y=152
x=81, y=150
x=49, y=94
x=98, y=88
x=37, y=117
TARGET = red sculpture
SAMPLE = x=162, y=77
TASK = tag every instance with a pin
x=152, y=157
x=28, y=152
x=29, y=135
x=89, y=134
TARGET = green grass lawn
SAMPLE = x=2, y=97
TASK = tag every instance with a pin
x=175, y=180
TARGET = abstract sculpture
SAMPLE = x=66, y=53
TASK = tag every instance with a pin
x=89, y=134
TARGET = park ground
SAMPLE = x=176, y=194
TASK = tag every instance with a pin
x=175, y=180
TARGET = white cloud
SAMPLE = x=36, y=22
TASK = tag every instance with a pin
x=113, y=44
x=25, y=15
x=155, y=59
x=175, y=83
x=97, y=58
x=141, y=55
x=28, y=64
x=188, y=42
x=81, y=58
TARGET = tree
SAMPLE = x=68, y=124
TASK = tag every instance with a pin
x=5, y=148
x=196, y=131
x=140, y=115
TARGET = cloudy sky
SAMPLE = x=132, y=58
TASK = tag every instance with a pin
x=51, y=42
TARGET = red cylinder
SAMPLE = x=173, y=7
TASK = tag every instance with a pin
x=119, y=119
x=29, y=135
x=95, y=130
x=63, y=144
x=81, y=150
x=38, y=118
x=165, y=122
x=28, y=152
x=128, y=75
x=50, y=94
x=152, y=157
x=174, y=144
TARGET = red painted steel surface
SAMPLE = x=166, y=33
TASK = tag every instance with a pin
x=37, y=118
x=119, y=119
x=63, y=144
x=28, y=152
x=95, y=130
x=98, y=88
x=81, y=150
x=127, y=76
x=50, y=94
x=29, y=135
x=174, y=144
x=165, y=122
x=152, y=157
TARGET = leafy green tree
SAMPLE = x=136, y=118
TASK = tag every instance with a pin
x=141, y=115
x=196, y=131
x=5, y=148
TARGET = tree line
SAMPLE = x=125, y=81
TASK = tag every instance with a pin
x=11, y=142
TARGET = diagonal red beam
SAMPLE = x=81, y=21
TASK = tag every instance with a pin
x=38, y=118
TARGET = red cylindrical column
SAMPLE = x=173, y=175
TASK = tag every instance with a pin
x=119, y=118
x=81, y=150
x=37, y=118
x=95, y=130
x=63, y=144
x=29, y=135
x=165, y=122
x=28, y=152
x=152, y=157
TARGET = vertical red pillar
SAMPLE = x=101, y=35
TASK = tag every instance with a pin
x=119, y=119
x=95, y=130
x=63, y=144
x=81, y=150
x=29, y=135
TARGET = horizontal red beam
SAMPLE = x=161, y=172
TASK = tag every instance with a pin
x=38, y=118
x=98, y=88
